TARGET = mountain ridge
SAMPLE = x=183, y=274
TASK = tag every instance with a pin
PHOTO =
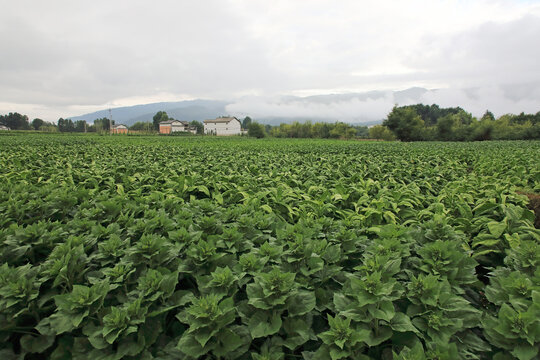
x=201, y=109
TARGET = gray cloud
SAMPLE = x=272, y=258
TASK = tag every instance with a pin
x=128, y=49
x=61, y=57
x=491, y=54
x=347, y=108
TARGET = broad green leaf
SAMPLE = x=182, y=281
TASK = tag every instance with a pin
x=525, y=352
x=190, y=346
x=36, y=344
x=402, y=323
x=264, y=323
x=301, y=303
x=496, y=228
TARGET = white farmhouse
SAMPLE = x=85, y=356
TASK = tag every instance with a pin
x=223, y=126
x=3, y=127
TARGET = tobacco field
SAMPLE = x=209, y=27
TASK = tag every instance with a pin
x=139, y=247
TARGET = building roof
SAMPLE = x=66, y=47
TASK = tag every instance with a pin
x=223, y=119
x=170, y=122
x=119, y=126
x=2, y=126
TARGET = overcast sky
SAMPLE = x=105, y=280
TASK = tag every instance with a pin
x=61, y=58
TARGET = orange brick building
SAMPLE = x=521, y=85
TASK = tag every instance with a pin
x=119, y=129
x=170, y=126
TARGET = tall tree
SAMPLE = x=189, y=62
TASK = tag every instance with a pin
x=102, y=124
x=199, y=125
x=245, y=123
x=381, y=132
x=159, y=117
x=256, y=130
x=446, y=126
x=405, y=123
x=37, y=123
x=80, y=126
x=66, y=125
x=488, y=116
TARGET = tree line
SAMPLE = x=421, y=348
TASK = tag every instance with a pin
x=430, y=122
x=16, y=121
x=323, y=130
x=406, y=123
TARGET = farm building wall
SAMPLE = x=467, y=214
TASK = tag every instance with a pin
x=230, y=128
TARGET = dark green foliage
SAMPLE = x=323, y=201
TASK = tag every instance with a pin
x=15, y=121
x=37, y=123
x=199, y=125
x=159, y=117
x=142, y=126
x=256, y=130
x=102, y=124
x=337, y=130
x=423, y=122
x=246, y=122
x=139, y=248
x=406, y=124
x=432, y=113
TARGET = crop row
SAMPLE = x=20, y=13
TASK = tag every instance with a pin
x=239, y=249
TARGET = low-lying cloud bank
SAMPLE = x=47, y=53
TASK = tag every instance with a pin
x=375, y=106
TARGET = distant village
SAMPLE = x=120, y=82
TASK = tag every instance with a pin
x=221, y=126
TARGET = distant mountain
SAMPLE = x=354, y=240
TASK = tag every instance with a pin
x=181, y=110
x=350, y=107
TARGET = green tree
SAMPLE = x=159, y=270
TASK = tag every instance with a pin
x=342, y=131
x=48, y=127
x=245, y=123
x=361, y=131
x=405, y=123
x=199, y=125
x=381, y=132
x=66, y=125
x=102, y=124
x=159, y=117
x=321, y=130
x=303, y=130
x=488, y=116
x=139, y=126
x=80, y=126
x=37, y=123
x=15, y=121
x=256, y=130
x=445, y=127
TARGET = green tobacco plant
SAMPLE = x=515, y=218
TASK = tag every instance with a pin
x=269, y=297
x=73, y=308
x=341, y=340
x=516, y=331
x=515, y=326
x=19, y=290
x=210, y=328
x=157, y=247
x=66, y=264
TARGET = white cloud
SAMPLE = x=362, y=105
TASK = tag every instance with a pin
x=478, y=100
x=341, y=109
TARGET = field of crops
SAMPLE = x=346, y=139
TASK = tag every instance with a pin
x=181, y=248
